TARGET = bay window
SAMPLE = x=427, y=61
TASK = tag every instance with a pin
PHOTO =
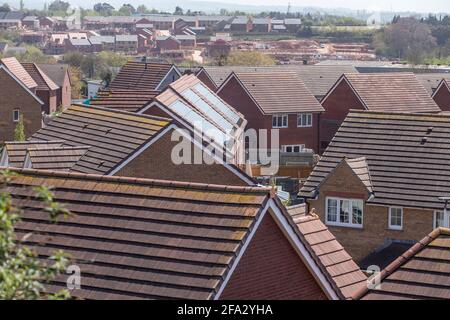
x=344, y=212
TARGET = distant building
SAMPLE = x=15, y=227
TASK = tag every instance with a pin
x=127, y=43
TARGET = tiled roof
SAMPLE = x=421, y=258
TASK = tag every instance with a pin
x=140, y=76
x=194, y=103
x=127, y=100
x=391, y=92
x=126, y=38
x=361, y=169
x=17, y=151
x=136, y=238
x=318, y=79
x=19, y=72
x=113, y=135
x=336, y=263
x=56, y=72
x=431, y=80
x=278, y=92
x=407, y=156
x=422, y=272
x=386, y=255
x=43, y=81
x=54, y=158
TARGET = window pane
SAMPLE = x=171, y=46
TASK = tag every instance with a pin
x=288, y=149
x=344, y=211
x=332, y=210
x=357, y=211
x=296, y=149
x=396, y=217
x=284, y=121
x=274, y=121
x=439, y=219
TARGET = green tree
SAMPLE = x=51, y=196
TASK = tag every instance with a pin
x=22, y=274
x=178, y=11
x=249, y=58
x=59, y=6
x=19, y=131
x=5, y=8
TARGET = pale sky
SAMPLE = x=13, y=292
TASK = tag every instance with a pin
x=378, y=5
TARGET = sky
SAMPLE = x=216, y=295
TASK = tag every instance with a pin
x=370, y=5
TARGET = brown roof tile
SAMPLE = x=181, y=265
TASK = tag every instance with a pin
x=42, y=80
x=419, y=273
x=54, y=158
x=318, y=79
x=16, y=151
x=279, y=92
x=431, y=80
x=407, y=156
x=140, y=76
x=112, y=134
x=342, y=272
x=136, y=238
x=391, y=92
x=127, y=100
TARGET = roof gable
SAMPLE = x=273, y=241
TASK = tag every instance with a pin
x=54, y=158
x=21, y=84
x=42, y=80
x=16, y=151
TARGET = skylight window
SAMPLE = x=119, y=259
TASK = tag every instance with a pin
x=208, y=110
x=217, y=102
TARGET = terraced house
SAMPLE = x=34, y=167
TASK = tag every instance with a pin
x=383, y=179
x=151, y=239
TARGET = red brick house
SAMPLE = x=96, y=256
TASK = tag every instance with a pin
x=16, y=100
x=59, y=74
x=396, y=92
x=276, y=100
x=175, y=240
x=442, y=95
x=383, y=180
x=164, y=43
x=46, y=89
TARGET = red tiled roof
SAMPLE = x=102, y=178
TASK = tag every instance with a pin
x=422, y=272
x=19, y=72
x=42, y=80
x=336, y=263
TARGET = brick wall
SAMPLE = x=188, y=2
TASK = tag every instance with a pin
x=236, y=96
x=336, y=106
x=375, y=232
x=442, y=98
x=271, y=269
x=207, y=81
x=156, y=163
x=64, y=98
x=14, y=96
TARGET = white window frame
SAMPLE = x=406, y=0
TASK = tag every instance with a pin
x=282, y=116
x=18, y=115
x=300, y=117
x=446, y=220
x=395, y=227
x=284, y=147
x=349, y=224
